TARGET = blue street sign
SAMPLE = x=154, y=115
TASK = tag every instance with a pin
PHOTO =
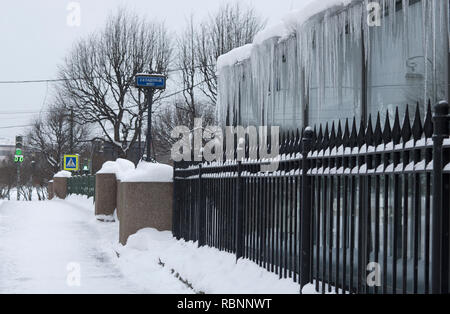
x=71, y=163
x=151, y=81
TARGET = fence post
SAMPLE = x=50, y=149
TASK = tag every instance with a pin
x=239, y=215
x=202, y=209
x=305, y=213
x=175, y=203
x=440, y=224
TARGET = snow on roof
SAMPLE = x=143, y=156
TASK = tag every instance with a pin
x=292, y=21
x=120, y=168
x=234, y=56
x=277, y=30
x=297, y=18
x=149, y=172
x=63, y=174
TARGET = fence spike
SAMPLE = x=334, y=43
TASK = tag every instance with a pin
x=396, y=130
x=288, y=142
x=294, y=140
x=369, y=139
x=320, y=139
x=314, y=139
x=354, y=135
x=291, y=142
x=417, y=129
x=387, y=131
x=361, y=134
x=333, y=143
x=326, y=137
x=378, y=134
x=406, y=129
x=346, y=137
x=339, y=141
x=298, y=141
x=283, y=143
x=428, y=126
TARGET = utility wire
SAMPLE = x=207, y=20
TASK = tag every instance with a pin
x=81, y=78
x=15, y=126
x=130, y=107
x=21, y=112
x=36, y=112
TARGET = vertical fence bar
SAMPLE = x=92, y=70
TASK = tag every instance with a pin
x=239, y=213
x=286, y=190
x=305, y=212
x=273, y=226
x=440, y=262
x=417, y=217
x=405, y=223
x=277, y=226
x=264, y=221
x=174, y=199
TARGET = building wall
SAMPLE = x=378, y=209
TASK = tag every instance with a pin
x=335, y=66
x=6, y=151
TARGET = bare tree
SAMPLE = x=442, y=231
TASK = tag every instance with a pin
x=178, y=114
x=49, y=137
x=192, y=103
x=198, y=48
x=99, y=75
x=231, y=27
x=7, y=176
x=186, y=61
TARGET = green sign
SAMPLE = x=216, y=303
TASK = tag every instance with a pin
x=18, y=159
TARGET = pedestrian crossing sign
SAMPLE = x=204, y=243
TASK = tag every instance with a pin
x=71, y=163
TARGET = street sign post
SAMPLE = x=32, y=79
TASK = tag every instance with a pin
x=150, y=82
x=71, y=162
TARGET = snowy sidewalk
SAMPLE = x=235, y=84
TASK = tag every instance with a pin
x=40, y=240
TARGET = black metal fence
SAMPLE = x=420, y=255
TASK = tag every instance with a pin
x=362, y=211
x=81, y=185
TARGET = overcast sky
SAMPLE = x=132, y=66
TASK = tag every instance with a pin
x=35, y=37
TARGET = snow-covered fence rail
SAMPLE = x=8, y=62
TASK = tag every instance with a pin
x=365, y=211
x=81, y=185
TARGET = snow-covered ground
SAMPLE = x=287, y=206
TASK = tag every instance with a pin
x=208, y=270
x=44, y=243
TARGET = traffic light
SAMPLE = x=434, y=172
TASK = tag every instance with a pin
x=18, y=157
